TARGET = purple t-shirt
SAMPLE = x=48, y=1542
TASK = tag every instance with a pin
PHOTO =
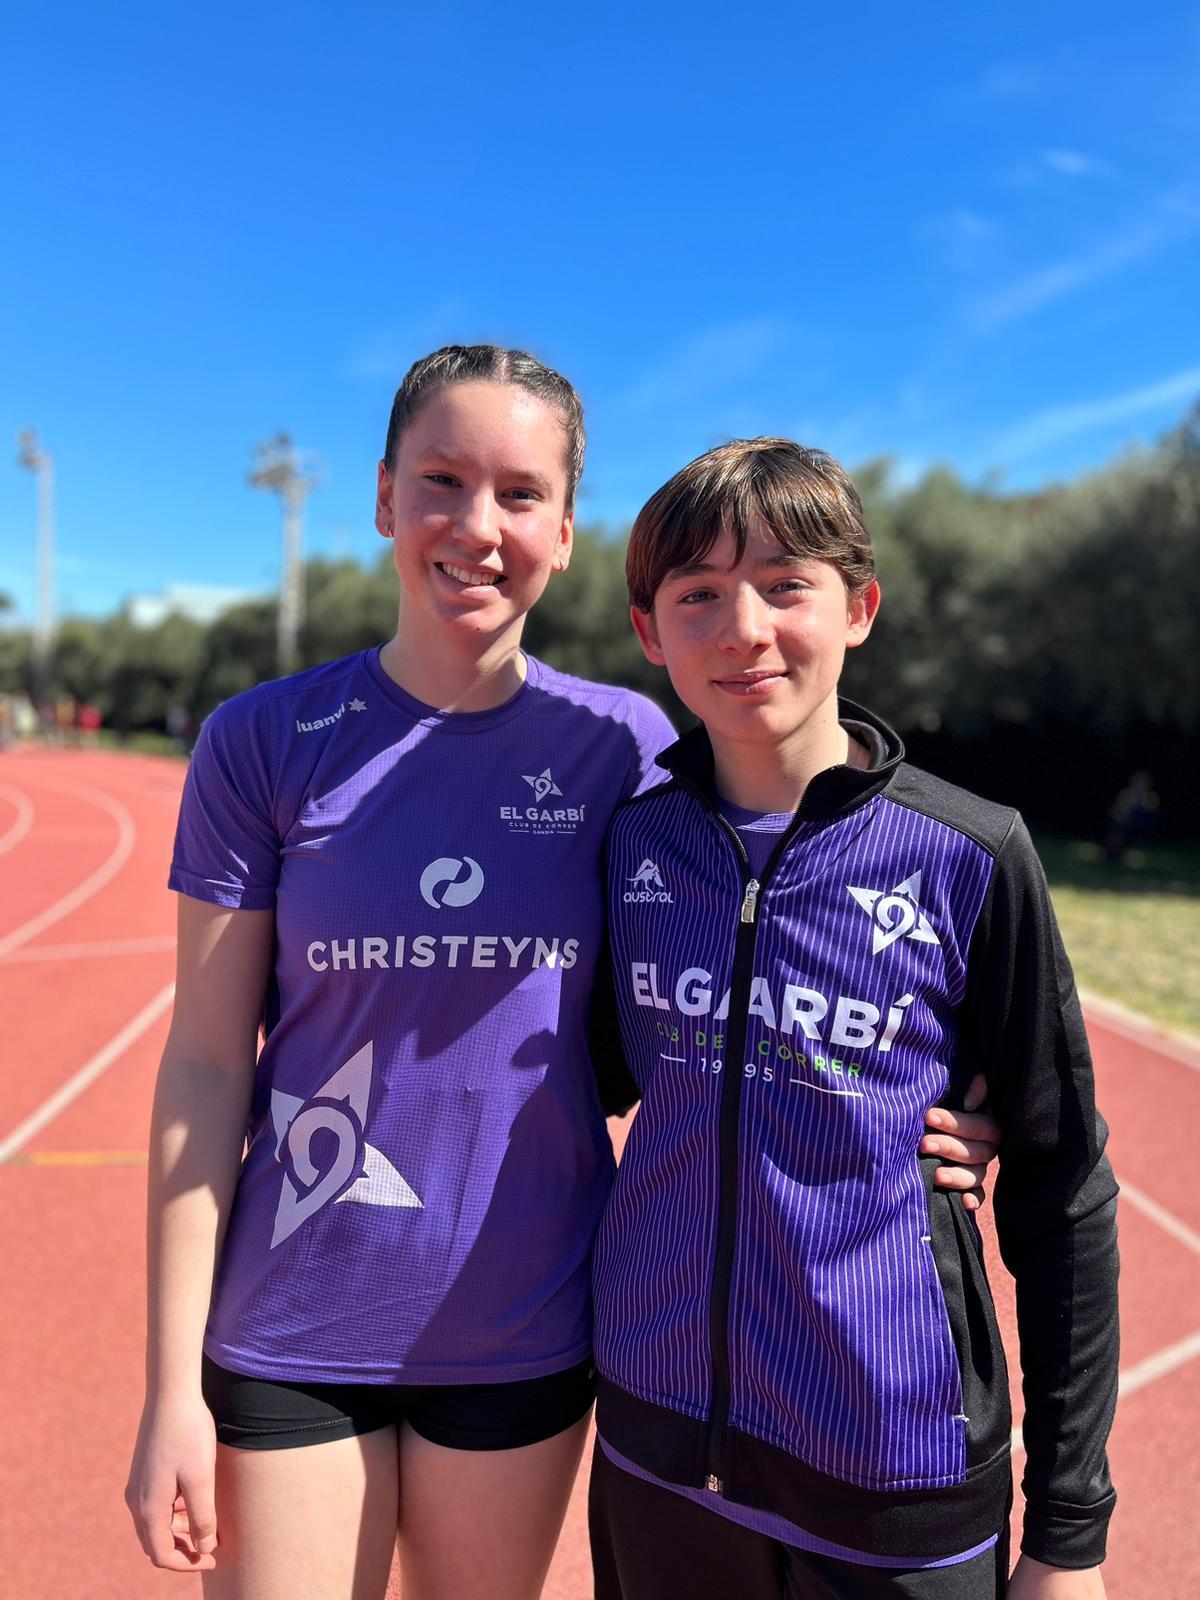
x=758, y=830
x=427, y=1159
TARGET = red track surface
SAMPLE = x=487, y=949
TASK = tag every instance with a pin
x=85, y=930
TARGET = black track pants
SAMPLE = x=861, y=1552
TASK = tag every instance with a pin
x=650, y=1544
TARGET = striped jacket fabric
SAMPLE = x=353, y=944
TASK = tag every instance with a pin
x=788, y=1313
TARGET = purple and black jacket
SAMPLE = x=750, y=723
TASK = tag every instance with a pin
x=789, y=1316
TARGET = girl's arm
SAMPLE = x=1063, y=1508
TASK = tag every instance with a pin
x=196, y=1137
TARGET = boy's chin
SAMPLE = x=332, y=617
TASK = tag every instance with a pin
x=768, y=721
x=758, y=720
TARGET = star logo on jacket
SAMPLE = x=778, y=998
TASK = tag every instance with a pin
x=358, y=705
x=355, y=1170
x=542, y=785
x=895, y=914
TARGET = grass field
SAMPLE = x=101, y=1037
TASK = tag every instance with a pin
x=1132, y=931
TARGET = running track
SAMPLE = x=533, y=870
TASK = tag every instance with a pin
x=85, y=985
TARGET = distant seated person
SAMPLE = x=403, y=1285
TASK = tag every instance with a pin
x=1131, y=817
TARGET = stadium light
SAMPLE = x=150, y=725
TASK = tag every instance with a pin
x=278, y=469
x=31, y=456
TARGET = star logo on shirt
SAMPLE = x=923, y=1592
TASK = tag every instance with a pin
x=542, y=785
x=354, y=1170
x=896, y=914
x=358, y=705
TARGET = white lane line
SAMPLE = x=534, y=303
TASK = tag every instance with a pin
x=54, y=835
x=1145, y=1372
x=24, y=821
x=87, y=1074
x=1175, y=1355
x=78, y=952
x=1171, y=1224
x=104, y=874
x=1108, y=1015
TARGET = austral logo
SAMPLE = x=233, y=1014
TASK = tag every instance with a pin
x=442, y=883
x=895, y=915
x=542, y=818
x=648, y=887
x=314, y=1175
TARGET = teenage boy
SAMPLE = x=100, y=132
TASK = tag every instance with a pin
x=803, y=1390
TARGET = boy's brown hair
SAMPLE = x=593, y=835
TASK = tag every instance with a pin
x=802, y=496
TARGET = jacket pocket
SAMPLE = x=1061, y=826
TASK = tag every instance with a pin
x=958, y=1259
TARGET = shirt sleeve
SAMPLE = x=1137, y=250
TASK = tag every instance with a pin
x=615, y=1083
x=653, y=733
x=227, y=848
x=1055, y=1205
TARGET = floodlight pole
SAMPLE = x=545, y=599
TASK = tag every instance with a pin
x=38, y=461
x=278, y=469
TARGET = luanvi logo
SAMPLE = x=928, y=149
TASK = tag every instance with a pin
x=895, y=915
x=328, y=722
x=440, y=885
x=648, y=887
x=542, y=818
x=354, y=1171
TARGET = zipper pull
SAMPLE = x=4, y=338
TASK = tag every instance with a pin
x=750, y=901
x=712, y=1482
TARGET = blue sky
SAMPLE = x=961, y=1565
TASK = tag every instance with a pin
x=948, y=233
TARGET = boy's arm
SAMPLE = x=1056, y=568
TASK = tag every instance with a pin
x=1055, y=1200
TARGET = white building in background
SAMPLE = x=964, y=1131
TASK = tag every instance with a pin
x=202, y=602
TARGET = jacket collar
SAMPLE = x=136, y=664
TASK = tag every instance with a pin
x=831, y=793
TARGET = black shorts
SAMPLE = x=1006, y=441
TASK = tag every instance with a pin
x=259, y=1414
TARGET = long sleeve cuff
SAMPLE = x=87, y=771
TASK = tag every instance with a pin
x=1066, y=1535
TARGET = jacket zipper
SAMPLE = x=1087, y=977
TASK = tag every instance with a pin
x=750, y=900
x=729, y=1116
x=728, y=1172
x=728, y=1140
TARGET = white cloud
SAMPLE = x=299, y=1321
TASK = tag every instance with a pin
x=970, y=225
x=389, y=352
x=964, y=239
x=1073, y=164
x=1041, y=288
x=1182, y=202
x=1011, y=80
x=711, y=359
x=1048, y=427
x=1047, y=165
